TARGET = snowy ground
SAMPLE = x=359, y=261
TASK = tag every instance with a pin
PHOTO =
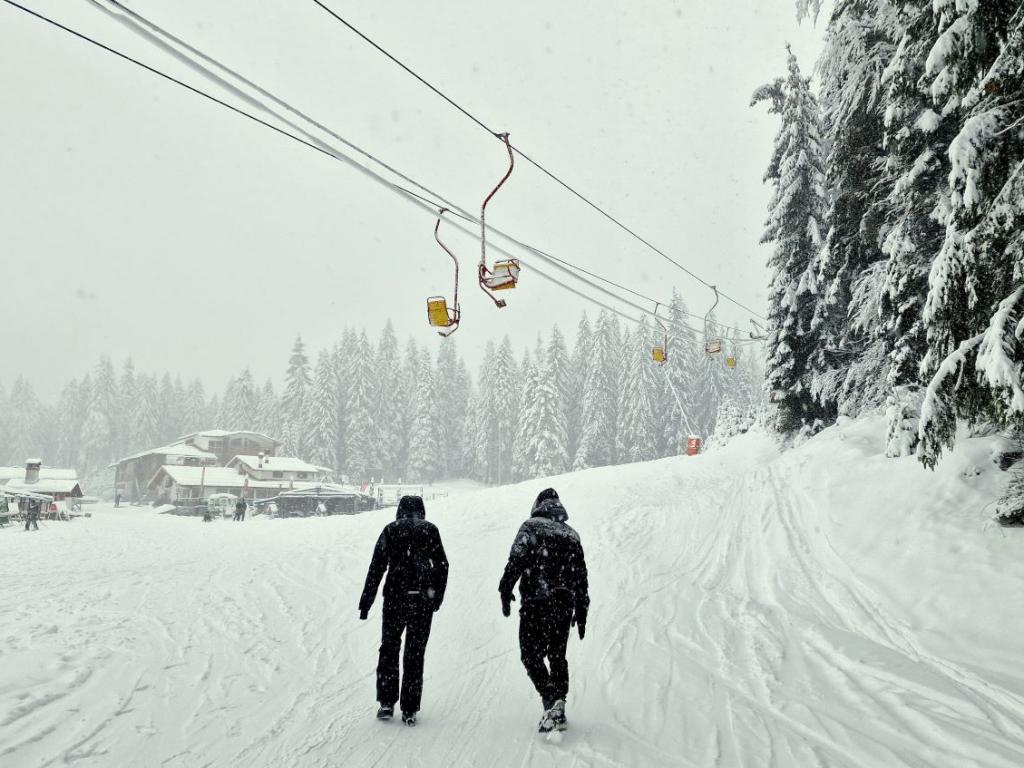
x=824, y=608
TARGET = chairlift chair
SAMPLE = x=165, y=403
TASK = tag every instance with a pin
x=712, y=346
x=505, y=274
x=439, y=314
x=660, y=353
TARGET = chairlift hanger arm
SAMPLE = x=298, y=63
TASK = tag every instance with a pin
x=490, y=280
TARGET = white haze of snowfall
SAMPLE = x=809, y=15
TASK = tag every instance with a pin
x=825, y=606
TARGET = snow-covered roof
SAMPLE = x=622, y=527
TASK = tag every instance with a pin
x=175, y=449
x=228, y=433
x=326, y=490
x=276, y=464
x=219, y=477
x=6, y=491
x=45, y=485
x=48, y=473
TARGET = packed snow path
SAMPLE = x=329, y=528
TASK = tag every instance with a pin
x=823, y=608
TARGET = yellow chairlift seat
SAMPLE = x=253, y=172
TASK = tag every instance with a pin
x=658, y=355
x=730, y=362
x=438, y=313
x=504, y=276
x=713, y=347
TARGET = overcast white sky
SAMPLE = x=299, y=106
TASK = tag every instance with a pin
x=139, y=220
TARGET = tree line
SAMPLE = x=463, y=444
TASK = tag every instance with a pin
x=386, y=410
x=897, y=216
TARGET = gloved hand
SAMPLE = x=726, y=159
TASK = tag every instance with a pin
x=363, y=613
x=579, y=620
x=506, y=604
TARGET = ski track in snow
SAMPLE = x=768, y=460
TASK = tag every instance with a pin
x=728, y=628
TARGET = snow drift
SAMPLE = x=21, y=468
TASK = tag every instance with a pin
x=823, y=607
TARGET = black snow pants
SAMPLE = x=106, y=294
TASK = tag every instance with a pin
x=31, y=521
x=411, y=614
x=543, y=635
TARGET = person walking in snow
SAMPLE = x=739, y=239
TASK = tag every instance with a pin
x=410, y=550
x=32, y=516
x=240, y=506
x=547, y=561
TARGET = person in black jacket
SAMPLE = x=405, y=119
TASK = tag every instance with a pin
x=240, y=507
x=410, y=550
x=547, y=561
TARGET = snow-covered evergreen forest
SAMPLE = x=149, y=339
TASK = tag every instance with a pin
x=373, y=408
x=896, y=215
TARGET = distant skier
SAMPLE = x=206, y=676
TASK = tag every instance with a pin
x=547, y=561
x=240, y=506
x=204, y=508
x=117, y=499
x=410, y=550
x=32, y=516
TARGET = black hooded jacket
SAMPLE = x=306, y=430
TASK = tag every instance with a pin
x=410, y=551
x=547, y=558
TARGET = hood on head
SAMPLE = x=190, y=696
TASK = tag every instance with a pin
x=411, y=508
x=548, y=505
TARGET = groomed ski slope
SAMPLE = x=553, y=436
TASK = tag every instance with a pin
x=825, y=607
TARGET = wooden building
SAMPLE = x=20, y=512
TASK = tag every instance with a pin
x=58, y=484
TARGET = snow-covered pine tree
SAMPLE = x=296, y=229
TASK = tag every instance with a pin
x=975, y=303
x=463, y=397
x=146, y=412
x=915, y=172
x=544, y=407
x=405, y=391
x=344, y=360
x=98, y=431
x=848, y=365
x=729, y=422
x=559, y=363
x=577, y=376
x=241, y=402
x=600, y=398
x=523, y=458
x=483, y=431
x=360, y=452
x=387, y=418
x=268, y=411
x=451, y=398
x=424, y=446
x=212, y=415
x=796, y=212
x=505, y=407
x=294, y=401
x=170, y=410
x=677, y=377
x=193, y=414
x=224, y=418
x=636, y=432
x=322, y=412
x=22, y=423
x=67, y=425
x=126, y=395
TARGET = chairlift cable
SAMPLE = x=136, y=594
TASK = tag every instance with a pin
x=416, y=199
x=148, y=29
x=554, y=177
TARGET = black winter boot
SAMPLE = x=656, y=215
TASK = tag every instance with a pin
x=386, y=712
